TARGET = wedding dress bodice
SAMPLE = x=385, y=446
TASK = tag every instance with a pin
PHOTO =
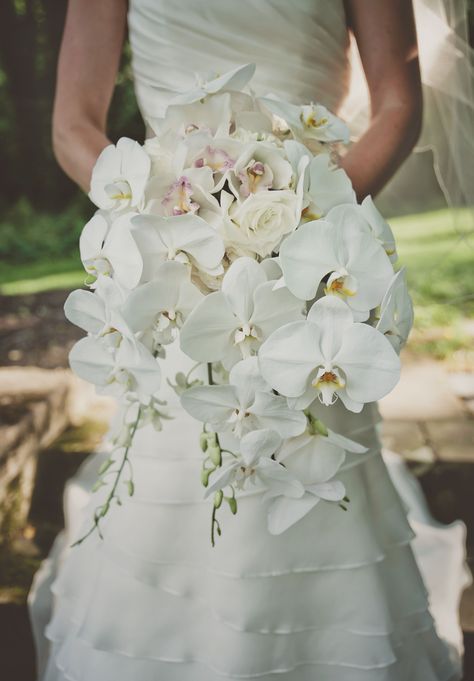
x=300, y=47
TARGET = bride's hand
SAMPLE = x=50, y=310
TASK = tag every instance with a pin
x=386, y=38
x=88, y=65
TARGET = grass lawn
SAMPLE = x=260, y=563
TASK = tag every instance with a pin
x=40, y=276
x=436, y=247
x=438, y=250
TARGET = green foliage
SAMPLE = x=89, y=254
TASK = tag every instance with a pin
x=30, y=36
x=28, y=235
x=438, y=251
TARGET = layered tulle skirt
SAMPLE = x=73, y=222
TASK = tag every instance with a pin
x=337, y=597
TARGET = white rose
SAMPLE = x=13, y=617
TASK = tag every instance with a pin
x=258, y=224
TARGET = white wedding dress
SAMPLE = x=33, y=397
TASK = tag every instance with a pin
x=339, y=596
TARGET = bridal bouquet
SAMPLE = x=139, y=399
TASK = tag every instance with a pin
x=233, y=229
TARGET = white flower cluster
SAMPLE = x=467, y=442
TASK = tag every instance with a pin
x=234, y=229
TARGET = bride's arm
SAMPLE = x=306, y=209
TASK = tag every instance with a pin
x=88, y=64
x=386, y=38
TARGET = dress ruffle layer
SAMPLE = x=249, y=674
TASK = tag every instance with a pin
x=338, y=595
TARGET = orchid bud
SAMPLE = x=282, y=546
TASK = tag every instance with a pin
x=214, y=453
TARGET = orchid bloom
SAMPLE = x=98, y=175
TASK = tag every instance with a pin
x=396, y=312
x=309, y=122
x=329, y=356
x=246, y=403
x=213, y=115
x=359, y=269
x=157, y=310
x=185, y=238
x=236, y=79
x=325, y=185
x=120, y=175
x=368, y=219
x=260, y=166
x=283, y=511
x=254, y=466
x=230, y=324
x=111, y=250
x=328, y=187
x=128, y=368
x=98, y=313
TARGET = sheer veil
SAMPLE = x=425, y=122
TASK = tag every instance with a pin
x=447, y=139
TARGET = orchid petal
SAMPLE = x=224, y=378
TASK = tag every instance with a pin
x=288, y=357
x=283, y=512
x=90, y=360
x=207, y=334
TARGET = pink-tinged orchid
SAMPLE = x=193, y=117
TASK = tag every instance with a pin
x=247, y=403
x=396, y=312
x=261, y=166
x=120, y=175
x=329, y=356
x=230, y=324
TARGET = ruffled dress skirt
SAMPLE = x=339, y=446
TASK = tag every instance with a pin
x=337, y=597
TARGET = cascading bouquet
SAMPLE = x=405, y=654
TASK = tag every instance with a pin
x=234, y=229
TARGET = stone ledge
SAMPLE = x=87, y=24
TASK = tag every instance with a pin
x=34, y=411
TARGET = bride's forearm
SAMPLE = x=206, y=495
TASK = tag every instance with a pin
x=76, y=147
x=87, y=68
x=376, y=156
x=386, y=38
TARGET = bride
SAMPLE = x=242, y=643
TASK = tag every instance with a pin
x=335, y=598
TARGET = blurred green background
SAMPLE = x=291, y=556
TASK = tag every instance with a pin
x=42, y=212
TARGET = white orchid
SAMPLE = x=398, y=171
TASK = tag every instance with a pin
x=111, y=250
x=368, y=219
x=396, y=312
x=128, y=368
x=283, y=511
x=245, y=404
x=329, y=186
x=309, y=122
x=359, y=269
x=329, y=356
x=253, y=466
x=230, y=324
x=120, y=175
x=184, y=238
x=98, y=313
x=317, y=454
x=233, y=80
x=157, y=310
x=212, y=115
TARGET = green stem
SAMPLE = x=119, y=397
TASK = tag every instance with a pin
x=111, y=494
x=210, y=378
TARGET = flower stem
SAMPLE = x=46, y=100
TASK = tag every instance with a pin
x=103, y=510
x=210, y=378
